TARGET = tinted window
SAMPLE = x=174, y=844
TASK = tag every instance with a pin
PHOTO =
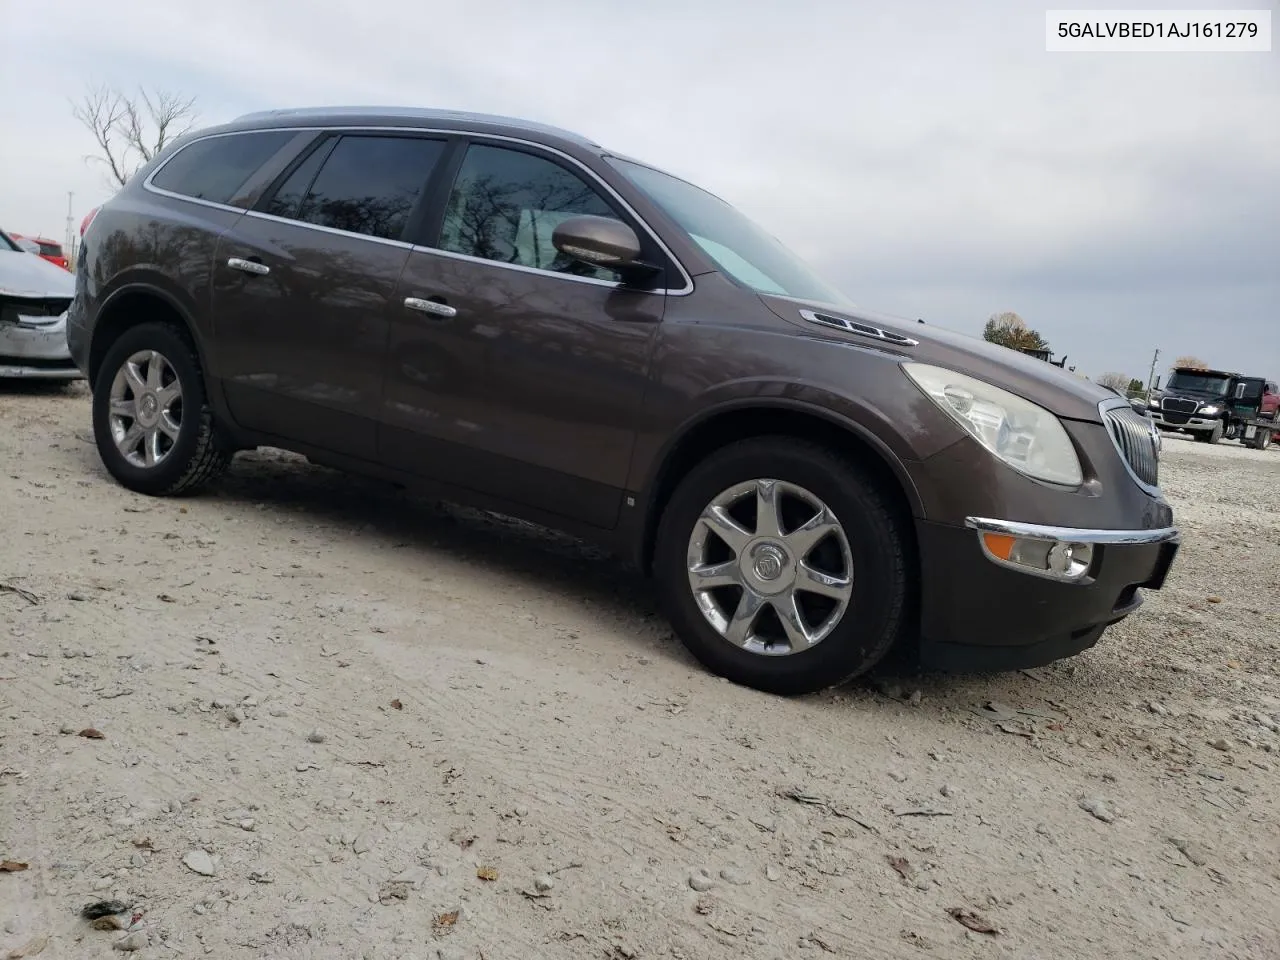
x=369, y=184
x=288, y=198
x=214, y=169
x=505, y=204
x=51, y=249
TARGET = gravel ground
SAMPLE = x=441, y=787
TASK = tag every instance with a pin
x=336, y=721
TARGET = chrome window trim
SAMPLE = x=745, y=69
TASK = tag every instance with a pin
x=1117, y=404
x=1036, y=531
x=683, y=290
x=321, y=228
x=468, y=258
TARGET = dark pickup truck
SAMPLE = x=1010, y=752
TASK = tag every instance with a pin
x=1217, y=405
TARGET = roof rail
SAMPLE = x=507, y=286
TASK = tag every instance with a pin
x=412, y=113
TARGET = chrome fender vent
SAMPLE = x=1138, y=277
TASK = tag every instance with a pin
x=861, y=329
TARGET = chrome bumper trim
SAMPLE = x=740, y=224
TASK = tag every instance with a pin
x=1035, y=531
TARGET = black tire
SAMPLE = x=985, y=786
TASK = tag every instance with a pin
x=881, y=551
x=198, y=454
x=1262, y=439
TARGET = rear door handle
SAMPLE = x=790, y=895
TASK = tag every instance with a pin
x=433, y=307
x=249, y=266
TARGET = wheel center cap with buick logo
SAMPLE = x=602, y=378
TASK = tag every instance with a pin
x=148, y=408
x=769, y=561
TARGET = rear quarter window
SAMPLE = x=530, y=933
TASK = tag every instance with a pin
x=216, y=168
x=366, y=184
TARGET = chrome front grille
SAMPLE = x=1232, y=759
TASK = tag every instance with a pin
x=1134, y=436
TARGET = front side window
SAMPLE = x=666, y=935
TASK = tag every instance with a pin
x=505, y=204
x=216, y=168
x=365, y=184
x=741, y=249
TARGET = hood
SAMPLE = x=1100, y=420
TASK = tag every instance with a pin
x=26, y=275
x=1051, y=387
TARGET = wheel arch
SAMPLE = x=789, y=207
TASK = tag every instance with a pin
x=749, y=418
x=132, y=305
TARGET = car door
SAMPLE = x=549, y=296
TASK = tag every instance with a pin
x=303, y=289
x=514, y=371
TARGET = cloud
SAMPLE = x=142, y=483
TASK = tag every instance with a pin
x=930, y=158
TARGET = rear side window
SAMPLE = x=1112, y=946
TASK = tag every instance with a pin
x=287, y=200
x=51, y=249
x=365, y=184
x=216, y=168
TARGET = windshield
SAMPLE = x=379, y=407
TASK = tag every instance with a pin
x=1211, y=383
x=742, y=250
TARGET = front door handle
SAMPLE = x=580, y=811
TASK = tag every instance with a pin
x=434, y=307
x=248, y=266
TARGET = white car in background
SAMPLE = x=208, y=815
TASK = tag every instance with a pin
x=34, y=296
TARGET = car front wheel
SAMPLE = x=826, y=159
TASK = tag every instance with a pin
x=151, y=416
x=783, y=566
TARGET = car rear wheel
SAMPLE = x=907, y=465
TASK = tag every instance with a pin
x=151, y=417
x=782, y=566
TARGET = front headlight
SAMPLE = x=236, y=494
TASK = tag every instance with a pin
x=1211, y=409
x=1025, y=436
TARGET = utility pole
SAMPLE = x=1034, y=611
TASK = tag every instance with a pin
x=1151, y=377
x=71, y=234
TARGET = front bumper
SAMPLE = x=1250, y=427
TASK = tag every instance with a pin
x=37, y=350
x=980, y=614
x=1192, y=422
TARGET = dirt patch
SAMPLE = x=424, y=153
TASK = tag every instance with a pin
x=337, y=721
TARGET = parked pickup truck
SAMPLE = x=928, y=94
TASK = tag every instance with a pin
x=1215, y=405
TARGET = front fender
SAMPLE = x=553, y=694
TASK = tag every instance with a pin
x=863, y=421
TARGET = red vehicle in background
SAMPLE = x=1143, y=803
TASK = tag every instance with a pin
x=50, y=250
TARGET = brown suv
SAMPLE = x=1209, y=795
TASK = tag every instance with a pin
x=514, y=316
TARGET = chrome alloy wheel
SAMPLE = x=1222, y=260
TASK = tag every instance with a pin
x=770, y=567
x=145, y=413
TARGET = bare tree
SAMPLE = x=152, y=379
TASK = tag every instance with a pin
x=1116, y=381
x=1189, y=361
x=129, y=131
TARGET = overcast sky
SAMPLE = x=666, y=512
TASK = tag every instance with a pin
x=931, y=159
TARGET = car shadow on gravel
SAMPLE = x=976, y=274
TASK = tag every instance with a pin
x=24, y=387
x=579, y=571
x=556, y=562
x=369, y=507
